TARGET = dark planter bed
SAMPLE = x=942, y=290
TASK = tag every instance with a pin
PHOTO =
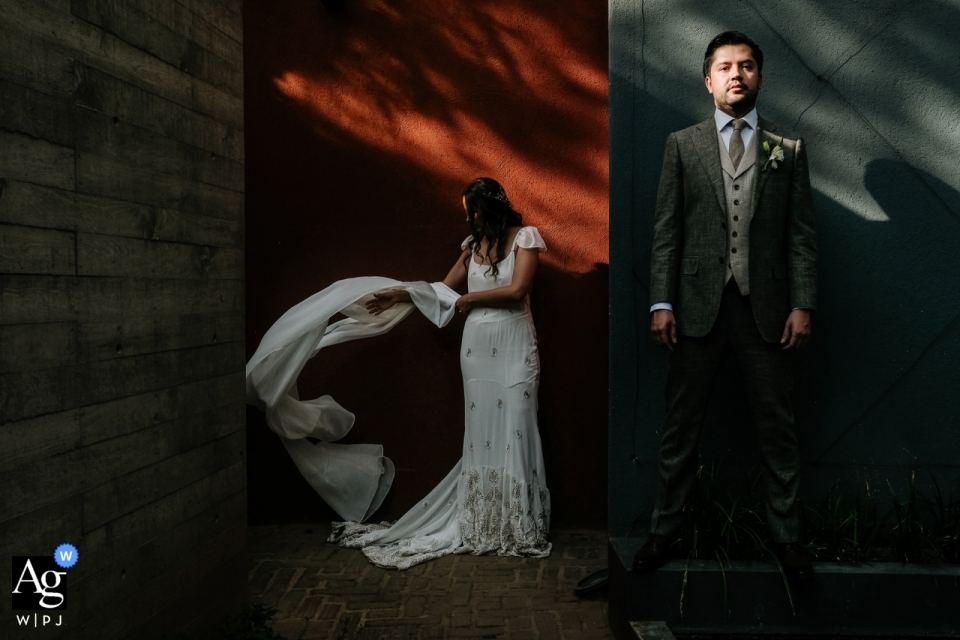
x=879, y=599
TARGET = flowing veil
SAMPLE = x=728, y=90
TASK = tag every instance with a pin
x=352, y=478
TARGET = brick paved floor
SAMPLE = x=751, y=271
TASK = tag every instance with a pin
x=324, y=591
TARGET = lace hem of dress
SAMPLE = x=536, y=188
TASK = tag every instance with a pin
x=498, y=514
x=504, y=514
x=402, y=554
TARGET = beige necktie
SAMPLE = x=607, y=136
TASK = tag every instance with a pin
x=736, y=142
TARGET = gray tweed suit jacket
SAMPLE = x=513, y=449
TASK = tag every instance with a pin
x=689, y=240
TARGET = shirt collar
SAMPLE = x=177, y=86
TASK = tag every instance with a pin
x=722, y=119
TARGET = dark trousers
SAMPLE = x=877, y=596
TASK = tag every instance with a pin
x=694, y=365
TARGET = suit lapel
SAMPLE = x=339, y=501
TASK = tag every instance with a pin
x=725, y=160
x=708, y=148
x=766, y=131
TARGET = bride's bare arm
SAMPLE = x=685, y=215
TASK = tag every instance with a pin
x=519, y=287
x=458, y=273
x=386, y=299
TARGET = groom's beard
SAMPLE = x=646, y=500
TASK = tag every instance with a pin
x=741, y=103
x=745, y=101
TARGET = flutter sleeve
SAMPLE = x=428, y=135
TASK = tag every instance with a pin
x=529, y=238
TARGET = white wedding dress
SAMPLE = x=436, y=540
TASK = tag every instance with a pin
x=495, y=499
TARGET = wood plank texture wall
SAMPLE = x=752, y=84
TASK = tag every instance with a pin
x=122, y=310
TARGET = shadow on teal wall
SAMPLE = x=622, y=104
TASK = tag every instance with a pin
x=874, y=89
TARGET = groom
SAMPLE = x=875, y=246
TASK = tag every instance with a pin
x=734, y=269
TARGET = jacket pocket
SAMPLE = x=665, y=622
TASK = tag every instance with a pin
x=690, y=265
x=780, y=270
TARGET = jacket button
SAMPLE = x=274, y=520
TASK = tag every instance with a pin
x=734, y=234
x=736, y=218
x=723, y=225
x=736, y=187
x=736, y=202
x=721, y=259
x=734, y=250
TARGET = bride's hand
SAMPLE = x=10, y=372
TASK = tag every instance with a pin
x=464, y=303
x=383, y=301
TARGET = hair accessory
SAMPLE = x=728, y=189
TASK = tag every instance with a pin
x=501, y=196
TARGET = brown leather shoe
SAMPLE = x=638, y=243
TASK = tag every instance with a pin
x=794, y=560
x=652, y=554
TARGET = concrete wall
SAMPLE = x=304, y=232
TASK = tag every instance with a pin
x=363, y=128
x=874, y=89
x=121, y=310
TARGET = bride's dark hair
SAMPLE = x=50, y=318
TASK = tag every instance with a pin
x=486, y=197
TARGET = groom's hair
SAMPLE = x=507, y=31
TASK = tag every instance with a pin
x=731, y=37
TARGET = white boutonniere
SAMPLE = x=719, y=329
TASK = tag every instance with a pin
x=774, y=155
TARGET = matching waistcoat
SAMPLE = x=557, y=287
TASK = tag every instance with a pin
x=739, y=185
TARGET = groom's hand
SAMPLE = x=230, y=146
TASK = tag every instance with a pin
x=663, y=327
x=796, y=333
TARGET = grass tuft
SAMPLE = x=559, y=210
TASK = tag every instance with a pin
x=728, y=518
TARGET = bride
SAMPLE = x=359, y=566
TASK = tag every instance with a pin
x=495, y=499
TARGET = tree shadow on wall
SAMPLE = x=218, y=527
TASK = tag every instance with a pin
x=444, y=91
x=892, y=321
x=362, y=130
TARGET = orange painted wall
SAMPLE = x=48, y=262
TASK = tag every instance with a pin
x=362, y=128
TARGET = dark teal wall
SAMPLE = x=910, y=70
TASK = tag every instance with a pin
x=874, y=89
